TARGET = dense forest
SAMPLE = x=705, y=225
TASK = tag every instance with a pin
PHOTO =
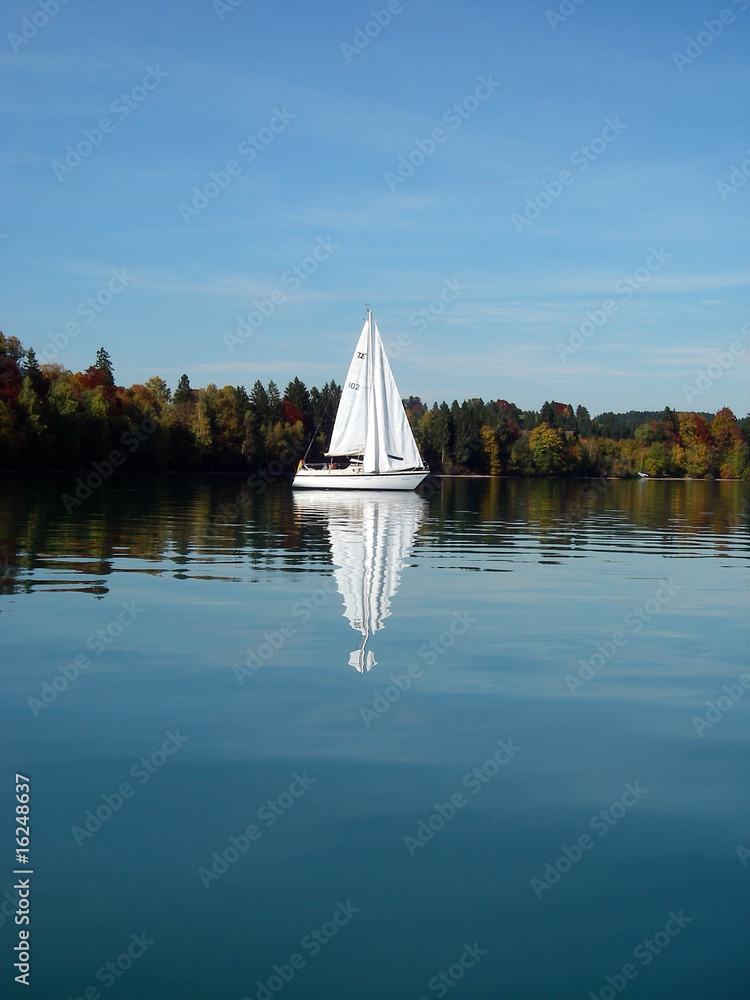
x=55, y=419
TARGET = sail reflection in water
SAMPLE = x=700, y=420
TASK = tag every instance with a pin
x=371, y=535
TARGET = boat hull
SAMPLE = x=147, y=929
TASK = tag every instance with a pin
x=354, y=479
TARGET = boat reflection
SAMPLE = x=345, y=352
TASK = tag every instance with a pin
x=371, y=535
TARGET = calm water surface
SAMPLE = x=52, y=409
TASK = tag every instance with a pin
x=383, y=747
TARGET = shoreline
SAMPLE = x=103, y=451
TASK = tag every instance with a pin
x=433, y=475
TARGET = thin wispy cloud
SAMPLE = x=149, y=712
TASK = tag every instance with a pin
x=447, y=217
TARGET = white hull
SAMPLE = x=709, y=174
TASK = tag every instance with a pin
x=353, y=478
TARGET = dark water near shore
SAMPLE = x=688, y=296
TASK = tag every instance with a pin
x=526, y=792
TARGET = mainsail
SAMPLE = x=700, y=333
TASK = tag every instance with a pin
x=371, y=420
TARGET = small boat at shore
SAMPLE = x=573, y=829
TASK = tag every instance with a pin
x=372, y=446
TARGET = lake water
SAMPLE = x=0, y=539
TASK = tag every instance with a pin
x=383, y=747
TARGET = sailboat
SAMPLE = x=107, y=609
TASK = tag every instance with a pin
x=371, y=536
x=372, y=446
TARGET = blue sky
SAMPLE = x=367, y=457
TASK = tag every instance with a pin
x=631, y=236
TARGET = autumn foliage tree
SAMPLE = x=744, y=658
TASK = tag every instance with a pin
x=52, y=418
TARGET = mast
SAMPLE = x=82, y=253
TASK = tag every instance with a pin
x=370, y=461
x=370, y=380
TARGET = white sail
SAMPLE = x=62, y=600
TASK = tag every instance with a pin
x=371, y=420
x=370, y=537
x=390, y=444
x=350, y=427
x=371, y=426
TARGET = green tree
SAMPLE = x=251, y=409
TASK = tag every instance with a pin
x=203, y=424
x=30, y=406
x=669, y=424
x=274, y=400
x=466, y=426
x=32, y=370
x=103, y=364
x=10, y=442
x=243, y=400
x=656, y=461
x=259, y=402
x=296, y=393
x=159, y=389
x=644, y=433
x=442, y=430
x=584, y=421
x=521, y=459
x=736, y=464
x=183, y=393
x=325, y=403
x=548, y=450
x=698, y=459
x=11, y=376
x=548, y=414
x=31, y=364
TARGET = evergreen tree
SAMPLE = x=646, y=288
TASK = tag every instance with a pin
x=31, y=364
x=325, y=403
x=548, y=414
x=274, y=400
x=103, y=364
x=584, y=421
x=259, y=401
x=442, y=431
x=183, y=393
x=296, y=393
x=242, y=398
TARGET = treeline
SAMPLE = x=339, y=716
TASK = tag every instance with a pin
x=499, y=439
x=52, y=418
